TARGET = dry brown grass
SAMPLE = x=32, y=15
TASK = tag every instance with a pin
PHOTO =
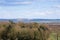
x=23, y=31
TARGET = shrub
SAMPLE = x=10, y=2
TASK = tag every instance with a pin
x=22, y=31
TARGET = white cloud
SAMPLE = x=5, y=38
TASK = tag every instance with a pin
x=7, y=13
x=3, y=2
x=30, y=14
x=39, y=14
x=4, y=14
x=56, y=6
x=20, y=3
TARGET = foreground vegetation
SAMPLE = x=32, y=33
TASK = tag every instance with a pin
x=53, y=36
x=55, y=32
x=23, y=31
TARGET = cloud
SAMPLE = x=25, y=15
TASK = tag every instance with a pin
x=20, y=3
x=42, y=14
x=14, y=2
x=46, y=13
x=29, y=14
x=5, y=14
x=56, y=6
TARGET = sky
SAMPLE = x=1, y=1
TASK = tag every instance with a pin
x=42, y=9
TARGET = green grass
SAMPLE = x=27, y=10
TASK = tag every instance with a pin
x=53, y=36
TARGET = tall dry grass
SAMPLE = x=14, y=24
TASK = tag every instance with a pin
x=23, y=31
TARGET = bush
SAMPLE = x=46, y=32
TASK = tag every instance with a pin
x=22, y=31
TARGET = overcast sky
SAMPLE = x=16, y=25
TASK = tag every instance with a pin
x=44, y=9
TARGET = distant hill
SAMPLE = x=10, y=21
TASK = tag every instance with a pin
x=33, y=20
x=45, y=20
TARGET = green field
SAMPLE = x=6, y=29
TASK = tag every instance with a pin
x=53, y=36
